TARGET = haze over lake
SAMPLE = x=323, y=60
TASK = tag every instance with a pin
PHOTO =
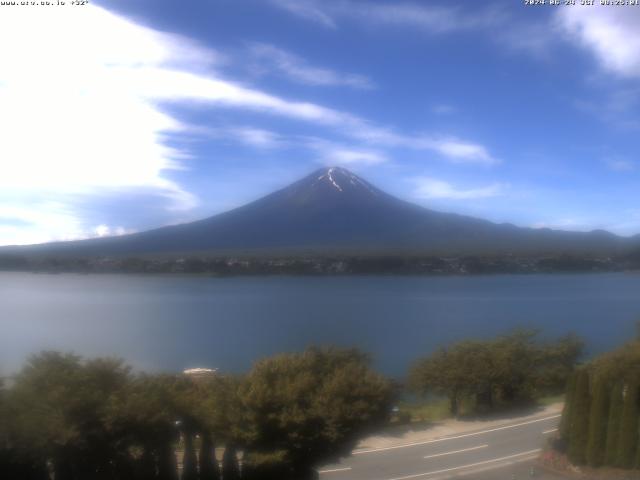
x=176, y=322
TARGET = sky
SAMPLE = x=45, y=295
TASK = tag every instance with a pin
x=123, y=115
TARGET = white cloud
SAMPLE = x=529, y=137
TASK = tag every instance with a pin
x=459, y=151
x=431, y=188
x=71, y=123
x=300, y=71
x=39, y=222
x=331, y=153
x=611, y=33
x=104, y=230
x=572, y=224
x=352, y=157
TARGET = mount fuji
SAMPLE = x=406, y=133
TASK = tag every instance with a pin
x=334, y=210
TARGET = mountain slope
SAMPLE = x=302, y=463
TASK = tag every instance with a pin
x=333, y=209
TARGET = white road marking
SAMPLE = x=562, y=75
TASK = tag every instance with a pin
x=334, y=470
x=456, y=451
x=550, y=431
x=372, y=450
x=494, y=460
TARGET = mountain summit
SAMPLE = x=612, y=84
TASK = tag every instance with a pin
x=335, y=182
x=335, y=210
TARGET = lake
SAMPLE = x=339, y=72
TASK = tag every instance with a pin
x=176, y=322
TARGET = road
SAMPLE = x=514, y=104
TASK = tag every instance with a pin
x=457, y=455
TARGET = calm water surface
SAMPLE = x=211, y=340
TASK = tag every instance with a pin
x=172, y=323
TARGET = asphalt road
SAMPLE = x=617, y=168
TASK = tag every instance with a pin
x=495, y=450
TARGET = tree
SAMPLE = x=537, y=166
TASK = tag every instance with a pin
x=437, y=374
x=146, y=415
x=578, y=435
x=189, y=458
x=556, y=362
x=565, y=421
x=508, y=370
x=208, y=465
x=230, y=469
x=314, y=406
x=616, y=403
x=598, y=423
x=628, y=440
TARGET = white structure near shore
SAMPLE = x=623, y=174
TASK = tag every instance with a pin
x=196, y=373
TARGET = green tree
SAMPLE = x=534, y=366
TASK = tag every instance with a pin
x=556, y=362
x=148, y=417
x=438, y=374
x=598, y=423
x=616, y=403
x=578, y=435
x=516, y=357
x=61, y=408
x=314, y=406
x=628, y=441
x=508, y=370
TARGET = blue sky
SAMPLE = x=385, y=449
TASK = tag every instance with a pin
x=125, y=115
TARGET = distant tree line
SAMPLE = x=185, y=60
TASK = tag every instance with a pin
x=66, y=418
x=409, y=264
x=601, y=420
x=510, y=370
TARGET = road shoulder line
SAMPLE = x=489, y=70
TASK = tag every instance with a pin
x=455, y=437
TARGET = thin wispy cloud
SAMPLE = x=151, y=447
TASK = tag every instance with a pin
x=332, y=153
x=460, y=151
x=298, y=70
x=616, y=107
x=444, y=109
x=307, y=10
x=429, y=18
x=258, y=138
x=620, y=165
x=432, y=188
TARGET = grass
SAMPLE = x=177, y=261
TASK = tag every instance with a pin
x=434, y=410
x=550, y=400
x=428, y=411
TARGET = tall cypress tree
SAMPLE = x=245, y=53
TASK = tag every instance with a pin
x=616, y=403
x=189, y=460
x=208, y=465
x=637, y=462
x=579, y=430
x=167, y=467
x=565, y=421
x=598, y=423
x=230, y=469
x=629, y=427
